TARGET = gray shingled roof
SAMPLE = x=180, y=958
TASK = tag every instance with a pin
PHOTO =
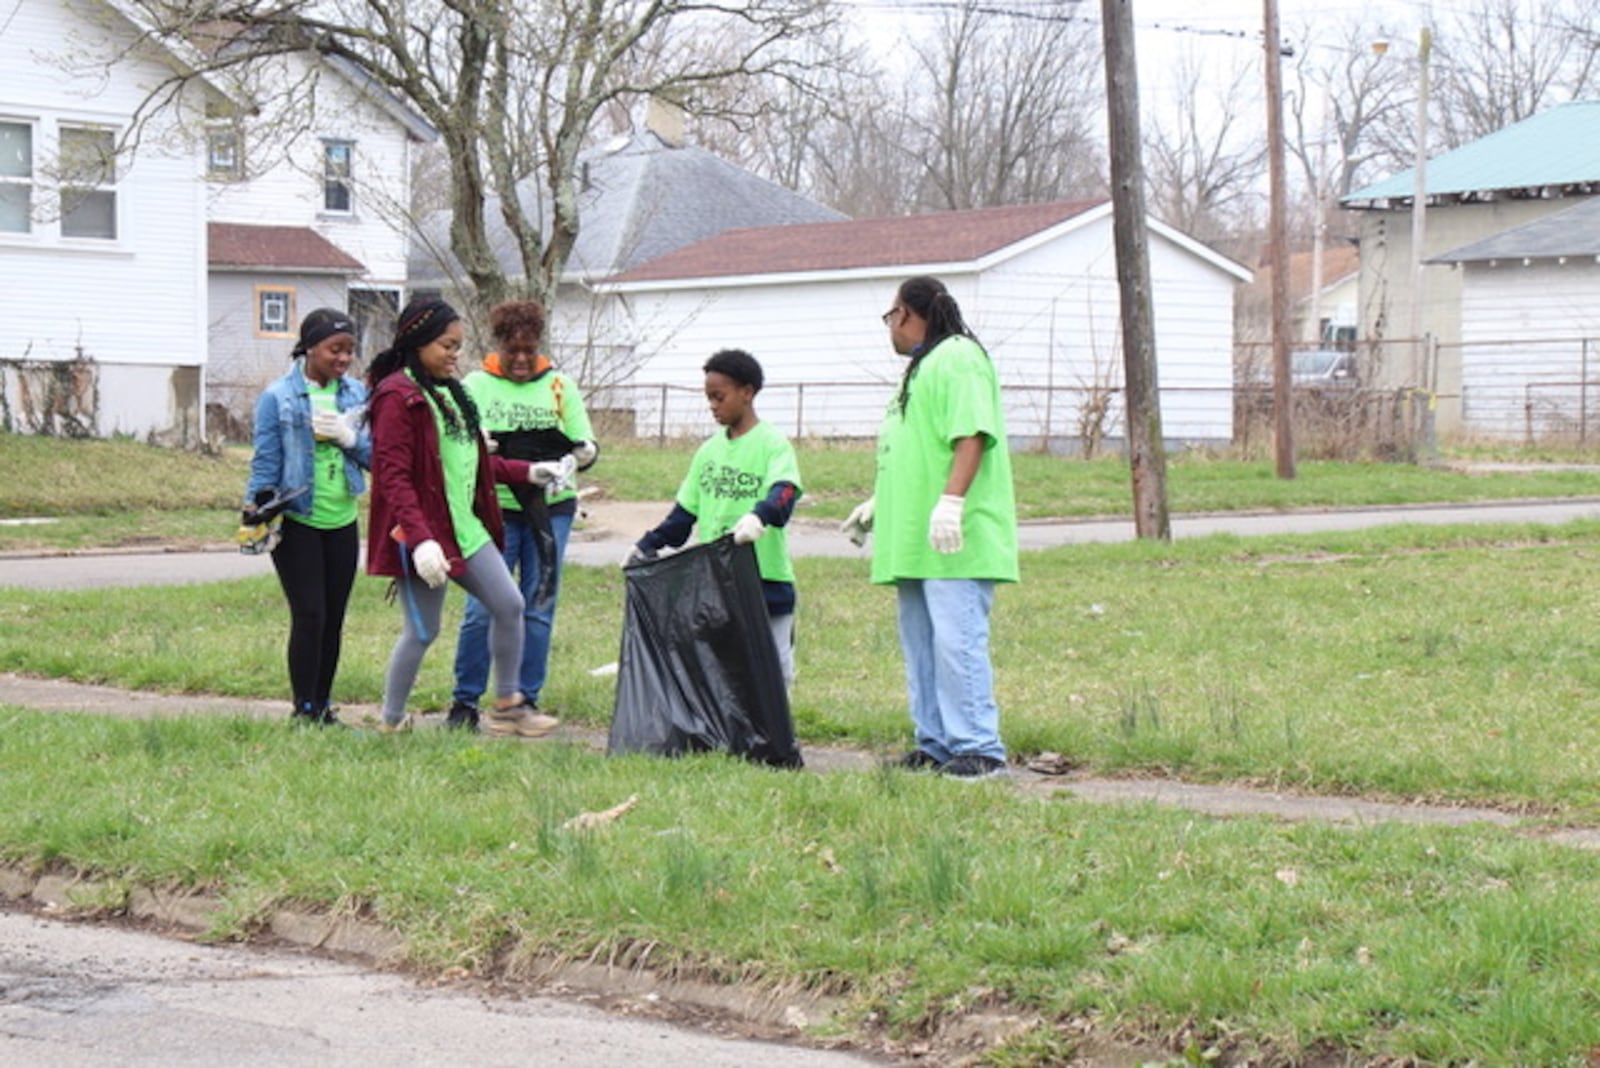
x=1555, y=149
x=642, y=198
x=1573, y=231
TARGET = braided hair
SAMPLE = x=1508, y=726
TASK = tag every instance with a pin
x=421, y=322
x=928, y=298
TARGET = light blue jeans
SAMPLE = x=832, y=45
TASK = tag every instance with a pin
x=944, y=633
x=538, y=620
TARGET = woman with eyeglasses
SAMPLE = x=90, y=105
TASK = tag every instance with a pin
x=944, y=525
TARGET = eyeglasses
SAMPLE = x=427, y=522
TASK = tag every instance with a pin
x=888, y=316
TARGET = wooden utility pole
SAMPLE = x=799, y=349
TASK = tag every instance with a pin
x=1146, y=453
x=1419, y=212
x=1278, y=249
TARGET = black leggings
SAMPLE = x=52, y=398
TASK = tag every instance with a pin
x=316, y=568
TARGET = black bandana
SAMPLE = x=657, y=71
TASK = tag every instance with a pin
x=319, y=326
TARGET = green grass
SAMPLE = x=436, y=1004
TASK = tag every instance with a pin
x=839, y=477
x=911, y=898
x=1408, y=662
x=120, y=493
x=1447, y=664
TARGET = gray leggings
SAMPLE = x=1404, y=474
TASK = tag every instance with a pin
x=486, y=579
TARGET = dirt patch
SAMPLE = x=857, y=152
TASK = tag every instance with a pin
x=601, y=518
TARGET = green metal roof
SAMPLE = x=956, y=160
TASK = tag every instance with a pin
x=1558, y=147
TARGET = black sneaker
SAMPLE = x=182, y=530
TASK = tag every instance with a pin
x=917, y=760
x=972, y=766
x=462, y=717
x=328, y=716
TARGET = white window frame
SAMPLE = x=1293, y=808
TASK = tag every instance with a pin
x=267, y=296
x=106, y=185
x=28, y=182
x=229, y=166
x=337, y=175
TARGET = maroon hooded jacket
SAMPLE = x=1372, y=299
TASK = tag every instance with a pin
x=408, y=501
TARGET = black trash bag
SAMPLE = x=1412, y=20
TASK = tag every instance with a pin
x=698, y=670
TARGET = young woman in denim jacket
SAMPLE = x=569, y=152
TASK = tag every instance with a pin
x=311, y=447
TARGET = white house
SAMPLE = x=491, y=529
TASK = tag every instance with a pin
x=1037, y=283
x=102, y=242
x=1505, y=180
x=1530, y=327
x=158, y=260
x=642, y=195
x=309, y=207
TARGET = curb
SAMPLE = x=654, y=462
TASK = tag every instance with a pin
x=788, y=1012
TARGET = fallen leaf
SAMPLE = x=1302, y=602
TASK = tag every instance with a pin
x=1048, y=763
x=588, y=821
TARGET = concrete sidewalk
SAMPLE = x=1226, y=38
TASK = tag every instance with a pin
x=610, y=528
x=55, y=695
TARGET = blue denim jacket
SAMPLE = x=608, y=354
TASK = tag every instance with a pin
x=285, y=448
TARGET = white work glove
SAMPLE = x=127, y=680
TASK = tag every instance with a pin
x=748, y=529
x=332, y=426
x=584, y=453
x=944, y=525
x=430, y=563
x=858, y=523
x=553, y=474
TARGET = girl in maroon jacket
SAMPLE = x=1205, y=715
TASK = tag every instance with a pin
x=434, y=513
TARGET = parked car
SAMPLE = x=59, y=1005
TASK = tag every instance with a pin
x=1322, y=368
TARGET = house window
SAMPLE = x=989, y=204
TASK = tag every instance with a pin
x=274, y=312
x=16, y=177
x=88, y=182
x=338, y=194
x=224, y=153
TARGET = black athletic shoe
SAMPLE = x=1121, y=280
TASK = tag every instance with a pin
x=462, y=717
x=917, y=760
x=328, y=716
x=971, y=766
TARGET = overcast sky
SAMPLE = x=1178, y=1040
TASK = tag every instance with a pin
x=1226, y=33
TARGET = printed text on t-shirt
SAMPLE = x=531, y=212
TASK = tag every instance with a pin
x=719, y=480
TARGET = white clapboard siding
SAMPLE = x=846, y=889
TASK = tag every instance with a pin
x=1523, y=355
x=1048, y=315
x=135, y=305
x=284, y=177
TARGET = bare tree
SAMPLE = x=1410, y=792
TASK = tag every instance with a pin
x=779, y=127
x=1499, y=61
x=514, y=90
x=1345, y=90
x=1005, y=108
x=1204, y=159
x=846, y=146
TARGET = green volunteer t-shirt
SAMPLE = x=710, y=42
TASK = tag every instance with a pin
x=726, y=479
x=550, y=402
x=332, y=506
x=955, y=394
x=459, y=458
